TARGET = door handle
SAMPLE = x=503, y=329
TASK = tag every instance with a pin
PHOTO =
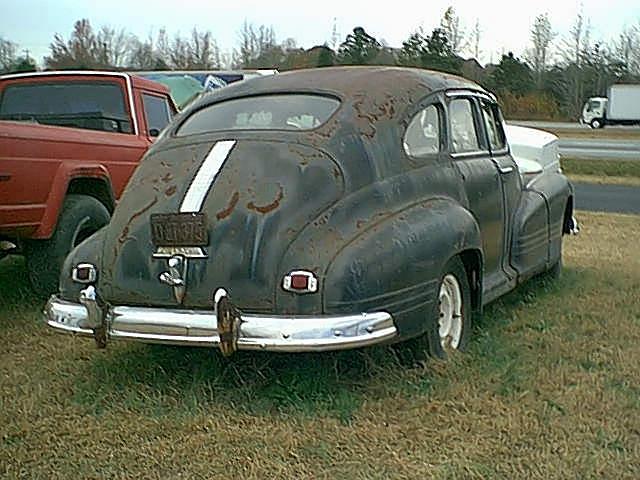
x=505, y=170
x=5, y=177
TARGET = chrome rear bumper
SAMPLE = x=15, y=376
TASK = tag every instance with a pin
x=199, y=327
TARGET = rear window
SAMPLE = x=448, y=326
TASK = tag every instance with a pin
x=90, y=105
x=265, y=112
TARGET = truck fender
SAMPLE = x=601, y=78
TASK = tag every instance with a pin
x=59, y=187
x=395, y=264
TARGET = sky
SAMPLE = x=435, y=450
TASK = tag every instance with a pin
x=505, y=26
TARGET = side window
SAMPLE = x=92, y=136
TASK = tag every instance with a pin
x=158, y=113
x=464, y=136
x=423, y=133
x=493, y=124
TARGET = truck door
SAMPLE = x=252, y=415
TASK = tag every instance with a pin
x=157, y=113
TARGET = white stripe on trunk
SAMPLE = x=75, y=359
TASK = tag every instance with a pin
x=205, y=177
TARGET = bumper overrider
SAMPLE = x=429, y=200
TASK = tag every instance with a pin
x=224, y=326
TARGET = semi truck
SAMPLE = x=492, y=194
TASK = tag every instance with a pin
x=621, y=106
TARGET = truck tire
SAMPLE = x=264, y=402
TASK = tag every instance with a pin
x=81, y=216
x=596, y=123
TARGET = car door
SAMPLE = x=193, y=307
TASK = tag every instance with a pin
x=482, y=178
x=508, y=171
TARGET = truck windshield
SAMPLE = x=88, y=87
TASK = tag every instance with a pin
x=264, y=112
x=90, y=105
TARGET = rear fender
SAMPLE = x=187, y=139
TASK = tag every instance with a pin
x=395, y=264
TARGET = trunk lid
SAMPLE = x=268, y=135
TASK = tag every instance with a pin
x=256, y=195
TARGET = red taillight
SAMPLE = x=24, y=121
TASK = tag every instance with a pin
x=300, y=281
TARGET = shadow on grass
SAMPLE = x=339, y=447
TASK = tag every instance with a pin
x=159, y=380
x=17, y=299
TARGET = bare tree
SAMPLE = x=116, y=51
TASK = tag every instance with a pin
x=572, y=86
x=257, y=47
x=538, y=55
x=108, y=48
x=335, y=36
x=204, y=50
x=142, y=55
x=113, y=45
x=454, y=32
x=579, y=40
x=627, y=48
x=476, y=33
x=81, y=51
x=7, y=54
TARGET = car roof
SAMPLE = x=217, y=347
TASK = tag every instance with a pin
x=345, y=82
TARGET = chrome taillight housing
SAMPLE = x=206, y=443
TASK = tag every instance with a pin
x=84, y=273
x=300, y=281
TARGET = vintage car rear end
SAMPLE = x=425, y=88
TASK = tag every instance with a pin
x=292, y=213
x=231, y=207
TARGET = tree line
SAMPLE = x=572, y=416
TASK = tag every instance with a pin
x=552, y=79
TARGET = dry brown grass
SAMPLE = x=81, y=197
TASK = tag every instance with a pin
x=601, y=168
x=605, y=180
x=604, y=133
x=549, y=389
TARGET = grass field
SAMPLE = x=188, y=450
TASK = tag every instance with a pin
x=600, y=168
x=604, y=133
x=549, y=389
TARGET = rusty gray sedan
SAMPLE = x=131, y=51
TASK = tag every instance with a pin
x=318, y=210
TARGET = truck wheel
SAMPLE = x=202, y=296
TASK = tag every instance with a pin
x=596, y=123
x=81, y=216
x=449, y=323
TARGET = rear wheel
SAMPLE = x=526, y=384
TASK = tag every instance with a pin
x=81, y=216
x=449, y=322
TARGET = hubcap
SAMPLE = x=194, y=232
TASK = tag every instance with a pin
x=450, y=321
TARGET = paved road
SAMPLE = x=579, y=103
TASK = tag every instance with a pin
x=568, y=125
x=607, y=198
x=600, y=148
x=596, y=149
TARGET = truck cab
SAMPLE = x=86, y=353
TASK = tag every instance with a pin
x=594, y=112
x=69, y=141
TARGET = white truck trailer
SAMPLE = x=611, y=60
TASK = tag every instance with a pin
x=620, y=107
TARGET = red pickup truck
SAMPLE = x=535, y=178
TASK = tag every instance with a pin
x=69, y=141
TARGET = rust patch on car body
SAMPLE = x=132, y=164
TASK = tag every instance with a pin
x=269, y=207
x=125, y=231
x=222, y=214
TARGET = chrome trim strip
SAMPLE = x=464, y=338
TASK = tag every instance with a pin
x=475, y=153
x=257, y=332
x=206, y=175
x=186, y=252
x=134, y=114
x=467, y=93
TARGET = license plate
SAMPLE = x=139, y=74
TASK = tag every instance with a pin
x=179, y=230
